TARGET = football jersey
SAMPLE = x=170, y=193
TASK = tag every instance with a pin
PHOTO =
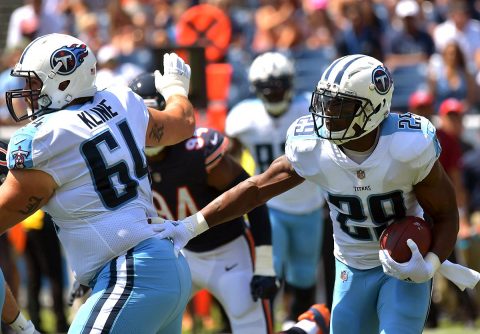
x=94, y=152
x=363, y=197
x=180, y=188
x=264, y=136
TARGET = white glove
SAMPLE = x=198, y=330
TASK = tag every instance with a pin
x=23, y=326
x=176, y=77
x=417, y=269
x=180, y=232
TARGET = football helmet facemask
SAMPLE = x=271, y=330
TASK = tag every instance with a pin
x=57, y=69
x=351, y=99
x=144, y=85
x=271, y=77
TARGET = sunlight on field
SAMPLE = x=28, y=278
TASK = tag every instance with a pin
x=49, y=323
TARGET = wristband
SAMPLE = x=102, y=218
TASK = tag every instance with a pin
x=264, y=261
x=21, y=325
x=433, y=260
x=196, y=223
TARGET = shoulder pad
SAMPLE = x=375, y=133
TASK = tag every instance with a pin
x=240, y=118
x=20, y=148
x=414, y=139
x=30, y=146
x=301, y=147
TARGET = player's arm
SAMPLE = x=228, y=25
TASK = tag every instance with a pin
x=226, y=175
x=436, y=195
x=224, y=172
x=242, y=198
x=23, y=192
x=264, y=284
x=252, y=192
x=172, y=125
x=177, y=121
x=12, y=315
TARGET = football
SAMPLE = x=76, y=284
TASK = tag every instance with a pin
x=394, y=237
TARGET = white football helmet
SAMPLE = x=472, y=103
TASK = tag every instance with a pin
x=352, y=98
x=66, y=68
x=271, y=76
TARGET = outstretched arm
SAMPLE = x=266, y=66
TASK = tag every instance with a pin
x=264, y=284
x=252, y=192
x=242, y=198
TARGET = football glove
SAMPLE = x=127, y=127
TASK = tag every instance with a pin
x=23, y=326
x=418, y=269
x=264, y=287
x=176, y=77
x=179, y=231
x=264, y=283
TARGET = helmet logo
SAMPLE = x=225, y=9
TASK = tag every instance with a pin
x=382, y=80
x=71, y=57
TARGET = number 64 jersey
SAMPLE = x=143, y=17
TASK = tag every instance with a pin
x=94, y=152
x=363, y=197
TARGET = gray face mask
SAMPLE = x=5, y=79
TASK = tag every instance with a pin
x=153, y=151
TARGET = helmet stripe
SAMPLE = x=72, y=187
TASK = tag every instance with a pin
x=29, y=46
x=339, y=76
x=326, y=74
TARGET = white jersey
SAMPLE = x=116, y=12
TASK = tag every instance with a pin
x=363, y=197
x=264, y=136
x=94, y=152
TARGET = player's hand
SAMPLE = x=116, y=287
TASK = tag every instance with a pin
x=264, y=284
x=179, y=231
x=418, y=269
x=176, y=77
x=78, y=291
x=264, y=287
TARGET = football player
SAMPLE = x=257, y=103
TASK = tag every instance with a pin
x=82, y=160
x=225, y=260
x=372, y=166
x=296, y=216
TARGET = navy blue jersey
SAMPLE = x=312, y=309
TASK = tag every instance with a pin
x=179, y=183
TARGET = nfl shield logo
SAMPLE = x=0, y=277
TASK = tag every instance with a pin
x=344, y=275
x=360, y=174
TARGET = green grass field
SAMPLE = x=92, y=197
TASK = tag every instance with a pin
x=446, y=328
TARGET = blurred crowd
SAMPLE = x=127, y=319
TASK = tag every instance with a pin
x=431, y=47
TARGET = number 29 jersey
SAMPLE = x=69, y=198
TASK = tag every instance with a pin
x=94, y=152
x=362, y=198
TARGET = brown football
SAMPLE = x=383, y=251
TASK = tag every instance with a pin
x=394, y=237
